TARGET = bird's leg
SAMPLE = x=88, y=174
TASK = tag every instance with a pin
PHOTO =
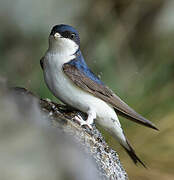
x=89, y=121
x=91, y=117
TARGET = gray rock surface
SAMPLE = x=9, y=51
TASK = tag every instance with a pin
x=45, y=142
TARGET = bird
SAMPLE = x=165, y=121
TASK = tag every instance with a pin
x=69, y=78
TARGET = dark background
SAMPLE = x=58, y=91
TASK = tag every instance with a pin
x=128, y=43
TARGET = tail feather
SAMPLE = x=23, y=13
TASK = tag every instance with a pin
x=133, y=155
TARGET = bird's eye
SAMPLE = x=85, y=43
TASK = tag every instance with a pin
x=72, y=36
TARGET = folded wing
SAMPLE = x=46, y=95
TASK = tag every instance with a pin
x=103, y=92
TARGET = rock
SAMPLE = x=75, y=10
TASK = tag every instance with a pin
x=78, y=152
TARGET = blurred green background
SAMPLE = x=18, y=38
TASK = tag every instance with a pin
x=128, y=43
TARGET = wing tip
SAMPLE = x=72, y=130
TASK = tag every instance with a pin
x=137, y=118
x=151, y=125
x=154, y=127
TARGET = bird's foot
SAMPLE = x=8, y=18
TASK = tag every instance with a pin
x=82, y=122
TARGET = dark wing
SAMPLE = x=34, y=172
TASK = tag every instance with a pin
x=104, y=93
x=41, y=62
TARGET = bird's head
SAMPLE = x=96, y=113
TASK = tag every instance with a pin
x=64, y=39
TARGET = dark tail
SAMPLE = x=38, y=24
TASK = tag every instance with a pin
x=133, y=155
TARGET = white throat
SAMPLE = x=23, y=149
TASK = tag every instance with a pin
x=62, y=46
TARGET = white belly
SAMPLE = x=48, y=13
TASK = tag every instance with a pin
x=64, y=89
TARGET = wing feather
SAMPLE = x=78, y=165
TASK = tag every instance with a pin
x=103, y=92
x=41, y=62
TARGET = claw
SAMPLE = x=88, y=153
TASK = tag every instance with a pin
x=80, y=120
x=86, y=124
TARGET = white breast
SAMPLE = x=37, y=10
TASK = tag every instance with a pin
x=61, y=86
x=59, y=52
x=64, y=89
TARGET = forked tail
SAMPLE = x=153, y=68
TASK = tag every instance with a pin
x=133, y=155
